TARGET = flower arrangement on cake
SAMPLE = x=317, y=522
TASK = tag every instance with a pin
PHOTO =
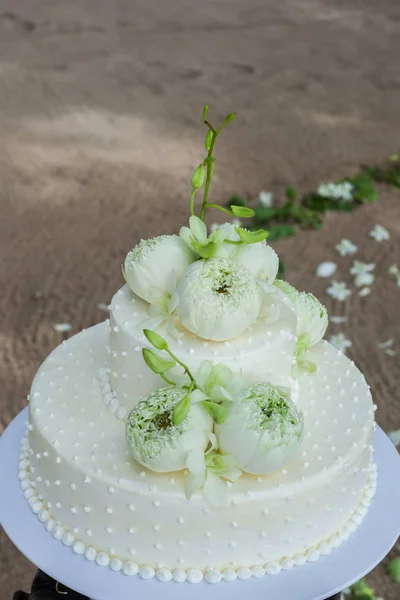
x=207, y=430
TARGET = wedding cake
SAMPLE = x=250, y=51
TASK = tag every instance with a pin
x=206, y=430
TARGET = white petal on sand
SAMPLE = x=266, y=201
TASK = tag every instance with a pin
x=63, y=327
x=388, y=344
x=337, y=320
x=326, y=269
x=102, y=306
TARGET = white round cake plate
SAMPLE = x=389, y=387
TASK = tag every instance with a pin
x=317, y=581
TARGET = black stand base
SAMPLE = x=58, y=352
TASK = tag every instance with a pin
x=46, y=588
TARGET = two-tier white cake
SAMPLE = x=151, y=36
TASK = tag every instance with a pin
x=206, y=430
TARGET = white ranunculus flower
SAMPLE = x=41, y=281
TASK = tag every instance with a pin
x=312, y=319
x=260, y=259
x=155, y=442
x=263, y=430
x=153, y=268
x=217, y=299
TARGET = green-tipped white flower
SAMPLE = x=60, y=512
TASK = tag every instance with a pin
x=260, y=259
x=312, y=320
x=155, y=442
x=312, y=316
x=263, y=430
x=153, y=268
x=217, y=299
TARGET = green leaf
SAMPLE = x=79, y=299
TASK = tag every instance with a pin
x=155, y=340
x=209, y=138
x=217, y=411
x=155, y=363
x=207, y=251
x=291, y=193
x=205, y=113
x=237, y=201
x=264, y=214
x=242, y=211
x=230, y=117
x=393, y=569
x=251, y=237
x=181, y=410
x=198, y=178
x=199, y=229
x=361, y=591
x=278, y=232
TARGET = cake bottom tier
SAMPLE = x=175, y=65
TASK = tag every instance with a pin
x=79, y=478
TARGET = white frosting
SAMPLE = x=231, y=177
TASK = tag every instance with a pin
x=78, y=477
x=263, y=352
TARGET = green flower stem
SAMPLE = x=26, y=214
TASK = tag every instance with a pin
x=209, y=170
x=185, y=367
x=166, y=379
x=221, y=208
x=192, y=211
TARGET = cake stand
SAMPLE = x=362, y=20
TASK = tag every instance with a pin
x=314, y=581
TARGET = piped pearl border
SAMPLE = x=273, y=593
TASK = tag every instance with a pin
x=211, y=575
x=109, y=396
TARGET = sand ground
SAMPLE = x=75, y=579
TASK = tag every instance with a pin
x=100, y=106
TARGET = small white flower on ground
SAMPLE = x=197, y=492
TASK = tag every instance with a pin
x=339, y=290
x=346, y=247
x=336, y=320
x=364, y=291
x=263, y=430
x=265, y=199
x=340, y=342
x=63, y=327
x=155, y=442
x=102, y=306
x=326, y=269
x=388, y=344
x=337, y=191
x=217, y=299
x=362, y=271
x=379, y=233
x=153, y=268
x=395, y=272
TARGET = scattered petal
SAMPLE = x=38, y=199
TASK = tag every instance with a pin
x=394, y=270
x=390, y=352
x=359, y=268
x=364, y=291
x=364, y=279
x=388, y=344
x=340, y=342
x=338, y=290
x=379, y=233
x=326, y=269
x=265, y=199
x=395, y=437
x=63, y=327
x=337, y=320
x=102, y=306
x=346, y=247
x=337, y=191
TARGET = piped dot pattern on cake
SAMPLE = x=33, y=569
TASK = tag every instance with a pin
x=289, y=507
